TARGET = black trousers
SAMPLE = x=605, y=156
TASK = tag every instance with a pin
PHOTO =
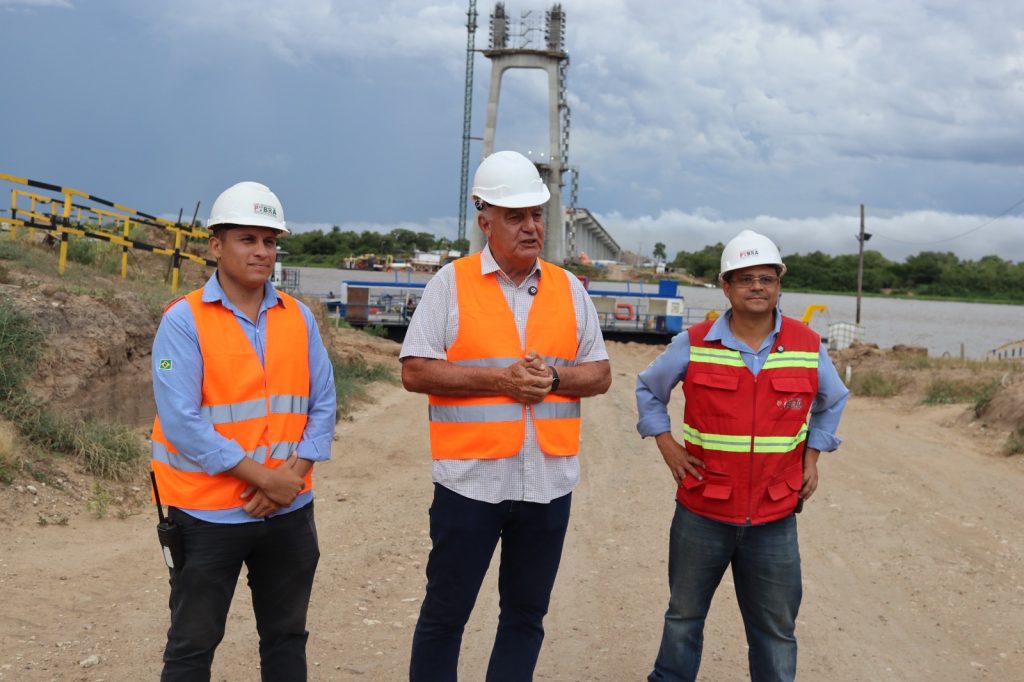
x=464, y=534
x=281, y=554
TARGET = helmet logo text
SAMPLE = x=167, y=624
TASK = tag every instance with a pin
x=748, y=253
x=264, y=209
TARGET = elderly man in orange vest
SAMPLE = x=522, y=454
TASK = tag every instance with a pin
x=245, y=405
x=763, y=400
x=505, y=345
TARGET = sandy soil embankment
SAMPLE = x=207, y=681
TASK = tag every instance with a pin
x=912, y=556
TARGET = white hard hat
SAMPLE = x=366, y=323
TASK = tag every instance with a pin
x=248, y=203
x=750, y=248
x=509, y=179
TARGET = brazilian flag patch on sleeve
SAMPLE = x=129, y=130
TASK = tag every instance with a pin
x=165, y=365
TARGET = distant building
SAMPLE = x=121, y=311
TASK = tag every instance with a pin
x=1014, y=350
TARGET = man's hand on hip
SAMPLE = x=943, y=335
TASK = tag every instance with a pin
x=810, y=473
x=679, y=461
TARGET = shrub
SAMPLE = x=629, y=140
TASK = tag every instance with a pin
x=19, y=348
x=108, y=450
x=351, y=376
x=82, y=250
x=950, y=391
x=1015, y=443
x=874, y=384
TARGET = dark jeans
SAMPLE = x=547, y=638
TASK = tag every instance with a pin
x=464, y=534
x=281, y=555
x=765, y=563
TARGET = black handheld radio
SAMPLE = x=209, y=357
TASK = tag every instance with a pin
x=168, y=533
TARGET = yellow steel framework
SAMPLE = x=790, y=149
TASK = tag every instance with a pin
x=62, y=216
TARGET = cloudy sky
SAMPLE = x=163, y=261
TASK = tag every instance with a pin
x=690, y=120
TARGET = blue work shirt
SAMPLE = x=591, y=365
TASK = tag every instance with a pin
x=178, y=393
x=655, y=384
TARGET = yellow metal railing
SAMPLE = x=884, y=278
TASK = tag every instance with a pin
x=63, y=217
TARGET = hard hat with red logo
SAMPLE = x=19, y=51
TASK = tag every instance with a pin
x=250, y=204
x=509, y=179
x=750, y=248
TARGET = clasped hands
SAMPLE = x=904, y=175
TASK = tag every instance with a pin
x=280, y=488
x=529, y=380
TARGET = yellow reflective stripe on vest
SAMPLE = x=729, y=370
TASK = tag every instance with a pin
x=716, y=356
x=716, y=441
x=780, y=443
x=792, y=359
x=502, y=412
x=742, y=443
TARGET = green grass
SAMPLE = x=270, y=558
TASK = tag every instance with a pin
x=19, y=348
x=108, y=450
x=916, y=362
x=351, y=375
x=952, y=391
x=873, y=384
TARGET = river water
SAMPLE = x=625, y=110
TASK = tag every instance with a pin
x=940, y=326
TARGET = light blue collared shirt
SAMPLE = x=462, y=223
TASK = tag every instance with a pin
x=178, y=392
x=655, y=384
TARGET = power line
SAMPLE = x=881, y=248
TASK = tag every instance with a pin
x=956, y=236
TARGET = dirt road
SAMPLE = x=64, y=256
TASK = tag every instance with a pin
x=912, y=553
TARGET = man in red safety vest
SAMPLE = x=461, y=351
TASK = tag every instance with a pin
x=762, y=400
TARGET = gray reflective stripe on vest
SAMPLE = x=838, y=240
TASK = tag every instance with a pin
x=259, y=455
x=174, y=459
x=289, y=404
x=557, y=362
x=559, y=410
x=234, y=412
x=283, y=449
x=486, y=362
x=476, y=413
x=184, y=463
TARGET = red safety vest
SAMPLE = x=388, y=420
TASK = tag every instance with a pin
x=750, y=431
x=263, y=410
x=491, y=427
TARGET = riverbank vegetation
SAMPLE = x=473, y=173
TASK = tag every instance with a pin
x=332, y=247
x=927, y=274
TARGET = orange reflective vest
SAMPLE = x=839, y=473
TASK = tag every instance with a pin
x=262, y=409
x=491, y=427
x=750, y=431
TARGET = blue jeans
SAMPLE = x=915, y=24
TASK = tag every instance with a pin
x=765, y=563
x=464, y=533
x=281, y=554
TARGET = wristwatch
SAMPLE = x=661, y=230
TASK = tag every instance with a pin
x=555, y=379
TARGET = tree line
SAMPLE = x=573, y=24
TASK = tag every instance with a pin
x=324, y=247
x=929, y=273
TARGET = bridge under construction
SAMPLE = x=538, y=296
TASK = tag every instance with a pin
x=533, y=41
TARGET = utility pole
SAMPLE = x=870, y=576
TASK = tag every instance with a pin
x=861, y=238
x=467, y=115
